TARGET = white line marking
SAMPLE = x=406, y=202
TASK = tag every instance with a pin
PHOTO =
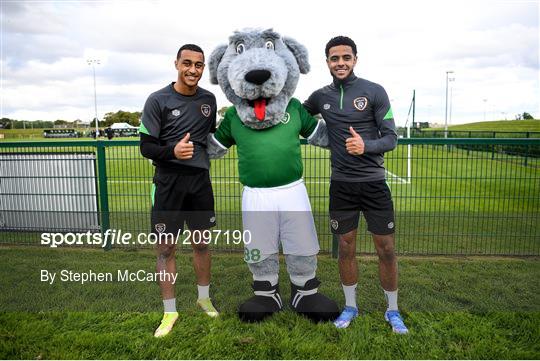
x=398, y=178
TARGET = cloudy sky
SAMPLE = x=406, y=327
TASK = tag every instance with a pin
x=492, y=47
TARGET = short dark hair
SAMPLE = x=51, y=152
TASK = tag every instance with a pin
x=340, y=40
x=191, y=47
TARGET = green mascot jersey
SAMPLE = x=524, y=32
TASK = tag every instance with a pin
x=268, y=157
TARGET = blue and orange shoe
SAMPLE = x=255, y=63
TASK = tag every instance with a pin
x=344, y=320
x=395, y=320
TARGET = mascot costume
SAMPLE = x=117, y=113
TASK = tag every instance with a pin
x=258, y=71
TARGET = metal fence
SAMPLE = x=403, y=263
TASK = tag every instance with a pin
x=441, y=133
x=451, y=196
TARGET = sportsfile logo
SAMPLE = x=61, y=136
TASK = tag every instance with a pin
x=109, y=237
x=116, y=237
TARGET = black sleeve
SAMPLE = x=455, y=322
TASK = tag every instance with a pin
x=312, y=105
x=385, y=124
x=151, y=149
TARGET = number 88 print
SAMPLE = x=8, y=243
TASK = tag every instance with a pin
x=252, y=255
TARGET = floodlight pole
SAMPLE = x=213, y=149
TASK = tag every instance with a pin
x=93, y=62
x=413, y=108
x=446, y=107
x=450, y=111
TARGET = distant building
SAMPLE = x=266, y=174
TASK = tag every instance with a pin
x=122, y=126
x=436, y=125
x=80, y=124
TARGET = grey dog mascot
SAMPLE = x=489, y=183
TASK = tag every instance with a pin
x=258, y=71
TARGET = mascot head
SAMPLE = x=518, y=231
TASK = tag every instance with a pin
x=258, y=71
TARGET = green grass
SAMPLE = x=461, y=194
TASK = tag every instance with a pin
x=499, y=125
x=456, y=308
x=11, y=135
x=27, y=134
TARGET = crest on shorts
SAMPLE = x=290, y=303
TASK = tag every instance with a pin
x=205, y=110
x=160, y=227
x=212, y=219
x=360, y=103
x=334, y=224
x=391, y=225
x=286, y=118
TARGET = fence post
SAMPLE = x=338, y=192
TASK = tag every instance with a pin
x=525, y=161
x=103, y=192
x=493, y=147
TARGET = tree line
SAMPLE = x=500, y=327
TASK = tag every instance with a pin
x=132, y=118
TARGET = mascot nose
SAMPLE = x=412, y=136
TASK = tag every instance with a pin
x=258, y=76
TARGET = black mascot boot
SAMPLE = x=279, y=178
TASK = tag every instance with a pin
x=310, y=303
x=266, y=302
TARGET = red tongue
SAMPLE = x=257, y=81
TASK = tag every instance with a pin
x=260, y=108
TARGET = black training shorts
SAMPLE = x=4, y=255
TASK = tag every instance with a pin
x=373, y=199
x=178, y=198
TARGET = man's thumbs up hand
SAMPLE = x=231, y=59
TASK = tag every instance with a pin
x=354, y=144
x=184, y=148
x=186, y=138
x=353, y=133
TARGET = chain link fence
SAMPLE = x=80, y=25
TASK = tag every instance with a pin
x=452, y=196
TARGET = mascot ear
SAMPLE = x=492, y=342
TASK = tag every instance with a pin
x=300, y=53
x=215, y=59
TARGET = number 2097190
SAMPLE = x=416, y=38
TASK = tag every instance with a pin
x=216, y=236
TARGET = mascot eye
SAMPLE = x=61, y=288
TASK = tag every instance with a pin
x=240, y=48
x=269, y=45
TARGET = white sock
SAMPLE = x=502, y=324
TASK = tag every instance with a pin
x=204, y=291
x=169, y=305
x=391, y=298
x=273, y=279
x=301, y=281
x=350, y=295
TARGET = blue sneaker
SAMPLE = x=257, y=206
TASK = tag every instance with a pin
x=395, y=320
x=344, y=320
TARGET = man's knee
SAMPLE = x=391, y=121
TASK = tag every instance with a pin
x=199, y=247
x=199, y=242
x=166, y=250
x=347, y=245
x=385, y=246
